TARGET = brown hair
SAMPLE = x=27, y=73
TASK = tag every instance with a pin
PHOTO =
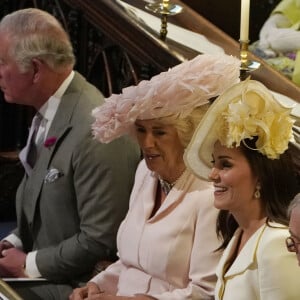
x=279, y=182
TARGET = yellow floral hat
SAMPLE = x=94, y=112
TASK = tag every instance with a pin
x=244, y=111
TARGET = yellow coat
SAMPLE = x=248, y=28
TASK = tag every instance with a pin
x=263, y=270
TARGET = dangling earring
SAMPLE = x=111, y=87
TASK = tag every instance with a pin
x=257, y=192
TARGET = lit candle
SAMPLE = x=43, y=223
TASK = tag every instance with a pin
x=244, y=29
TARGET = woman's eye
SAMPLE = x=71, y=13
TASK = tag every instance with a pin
x=159, y=132
x=140, y=129
x=221, y=164
x=226, y=164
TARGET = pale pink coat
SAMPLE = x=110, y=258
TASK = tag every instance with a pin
x=170, y=255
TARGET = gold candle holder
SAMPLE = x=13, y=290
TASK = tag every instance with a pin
x=247, y=65
x=164, y=25
x=165, y=9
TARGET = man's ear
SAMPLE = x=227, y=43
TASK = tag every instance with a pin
x=37, y=66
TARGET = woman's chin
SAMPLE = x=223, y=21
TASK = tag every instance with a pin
x=219, y=204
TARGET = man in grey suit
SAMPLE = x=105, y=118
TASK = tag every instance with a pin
x=75, y=190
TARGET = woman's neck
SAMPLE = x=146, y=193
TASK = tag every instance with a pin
x=166, y=185
x=173, y=175
x=251, y=217
x=249, y=227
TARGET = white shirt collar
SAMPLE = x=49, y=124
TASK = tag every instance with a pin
x=49, y=109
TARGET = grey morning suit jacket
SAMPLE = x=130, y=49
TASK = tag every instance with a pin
x=72, y=222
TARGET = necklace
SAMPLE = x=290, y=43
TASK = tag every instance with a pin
x=166, y=186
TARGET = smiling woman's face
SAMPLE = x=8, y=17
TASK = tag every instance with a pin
x=233, y=179
x=161, y=147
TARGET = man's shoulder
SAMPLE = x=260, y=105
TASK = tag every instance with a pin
x=86, y=93
x=78, y=101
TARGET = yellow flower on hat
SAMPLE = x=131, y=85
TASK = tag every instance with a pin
x=247, y=110
x=254, y=114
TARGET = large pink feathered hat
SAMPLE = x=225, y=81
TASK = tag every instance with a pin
x=176, y=91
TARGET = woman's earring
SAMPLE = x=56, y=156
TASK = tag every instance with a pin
x=257, y=192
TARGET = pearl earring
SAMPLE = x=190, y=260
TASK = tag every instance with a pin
x=257, y=192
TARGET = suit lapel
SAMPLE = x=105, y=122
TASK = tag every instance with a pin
x=246, y=257
x=59, y=129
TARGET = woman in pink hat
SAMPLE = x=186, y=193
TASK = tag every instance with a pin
x=166, y=242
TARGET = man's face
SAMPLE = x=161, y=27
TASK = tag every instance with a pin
x=16, y=85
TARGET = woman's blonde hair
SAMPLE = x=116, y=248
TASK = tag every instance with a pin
x=186, y=125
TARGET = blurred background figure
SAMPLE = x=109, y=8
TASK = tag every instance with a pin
x=293, y=241
x=279, y=39
x=166, y=242
x=242, y=146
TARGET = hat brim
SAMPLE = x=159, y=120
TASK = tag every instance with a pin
x=198, y=154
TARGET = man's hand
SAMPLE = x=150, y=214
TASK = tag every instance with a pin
x=12, y=263
x=5, y=245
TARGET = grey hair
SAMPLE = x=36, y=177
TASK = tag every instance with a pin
x=35, y=33
x=294, y=203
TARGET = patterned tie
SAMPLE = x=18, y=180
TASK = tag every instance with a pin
x=33, y=144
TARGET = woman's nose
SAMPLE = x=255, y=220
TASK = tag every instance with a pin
x=147, y=141
x=214, y=174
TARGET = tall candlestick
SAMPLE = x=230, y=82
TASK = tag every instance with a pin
x=165, y=9
x=245, y=11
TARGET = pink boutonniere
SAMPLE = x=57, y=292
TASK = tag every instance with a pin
x=50, y=141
